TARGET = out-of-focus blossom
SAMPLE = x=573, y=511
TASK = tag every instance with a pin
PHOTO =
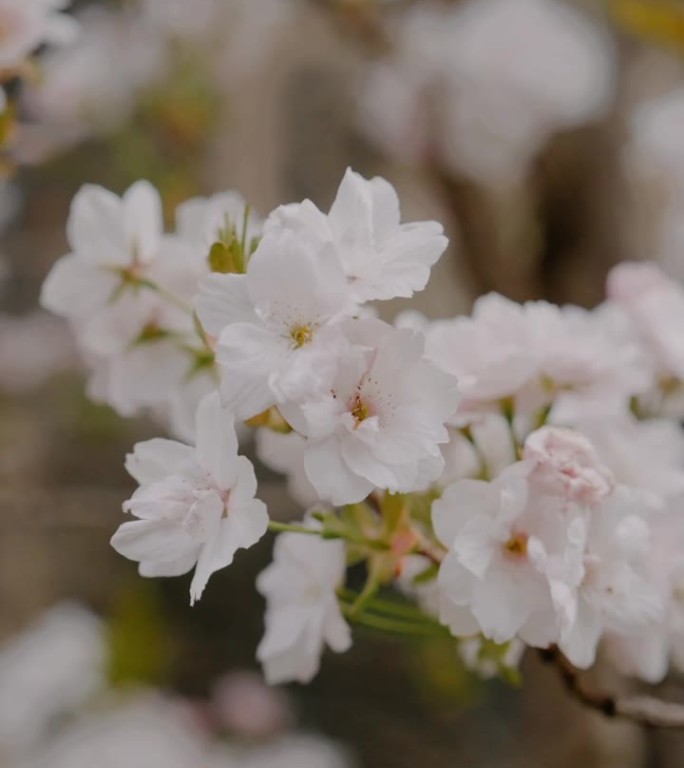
x=296, y=751
x=126, y=289
x=147, y=730
x=302, y=613
x=485, y=84
x=646, y=456
x=50, y=669
x=243, y=704
x=615, y=592
x=89, y=87
x=567, y=464
x=655, y=304
x=536, y=354
x=26, y=24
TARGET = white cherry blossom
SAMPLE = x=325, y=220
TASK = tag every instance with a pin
x=302, y=612
x=204, y=220
x=53, y=667
x=615, y=592
x=195, y=506
x=381, y=258
x=646, y=456
x=655, y=305
x=275, y=324
x=509, y=551
x=565, y=463
x=26, y=24
x=535, y=355
x=382, y=422
x=484, y=84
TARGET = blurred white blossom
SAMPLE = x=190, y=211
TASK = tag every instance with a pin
x=482, y=86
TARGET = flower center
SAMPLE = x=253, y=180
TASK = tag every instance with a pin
x=516, y=546
x=301, y=335
x=359, y=409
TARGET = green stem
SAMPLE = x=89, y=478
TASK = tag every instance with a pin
x=243, y=243
x=391, y=625
x=362, y=600
x=508, y=411
x=170, y=297
x=288, y=528
x=388, y=607
x=485, y=474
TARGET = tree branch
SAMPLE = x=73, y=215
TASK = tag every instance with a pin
x=642, y=710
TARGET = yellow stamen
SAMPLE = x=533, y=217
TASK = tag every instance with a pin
x=359, y=410
x=301, y=335
x=517, y=545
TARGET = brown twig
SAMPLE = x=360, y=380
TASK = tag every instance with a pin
x=642, y=710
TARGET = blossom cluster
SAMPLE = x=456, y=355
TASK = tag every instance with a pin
x=515, y=475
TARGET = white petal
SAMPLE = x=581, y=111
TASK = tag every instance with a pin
x=96, y=228
x=217, y=444
x=223, y=300
x=155, y=459
x=143, y=220
x=152, y=540
x=76, y=288
x=330, y=475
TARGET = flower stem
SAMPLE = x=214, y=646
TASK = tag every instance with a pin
x=167, y=295
x=389, y=624
x=288, y=528
x=388, y=607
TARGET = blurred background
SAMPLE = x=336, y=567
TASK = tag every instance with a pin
x=547, y=137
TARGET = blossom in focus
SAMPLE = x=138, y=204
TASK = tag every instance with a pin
x=195, y=506
x=302, y=611
x=381, y=258
x=275, y=323
x=52, y=668
x=503, y=539
x=383, y=420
